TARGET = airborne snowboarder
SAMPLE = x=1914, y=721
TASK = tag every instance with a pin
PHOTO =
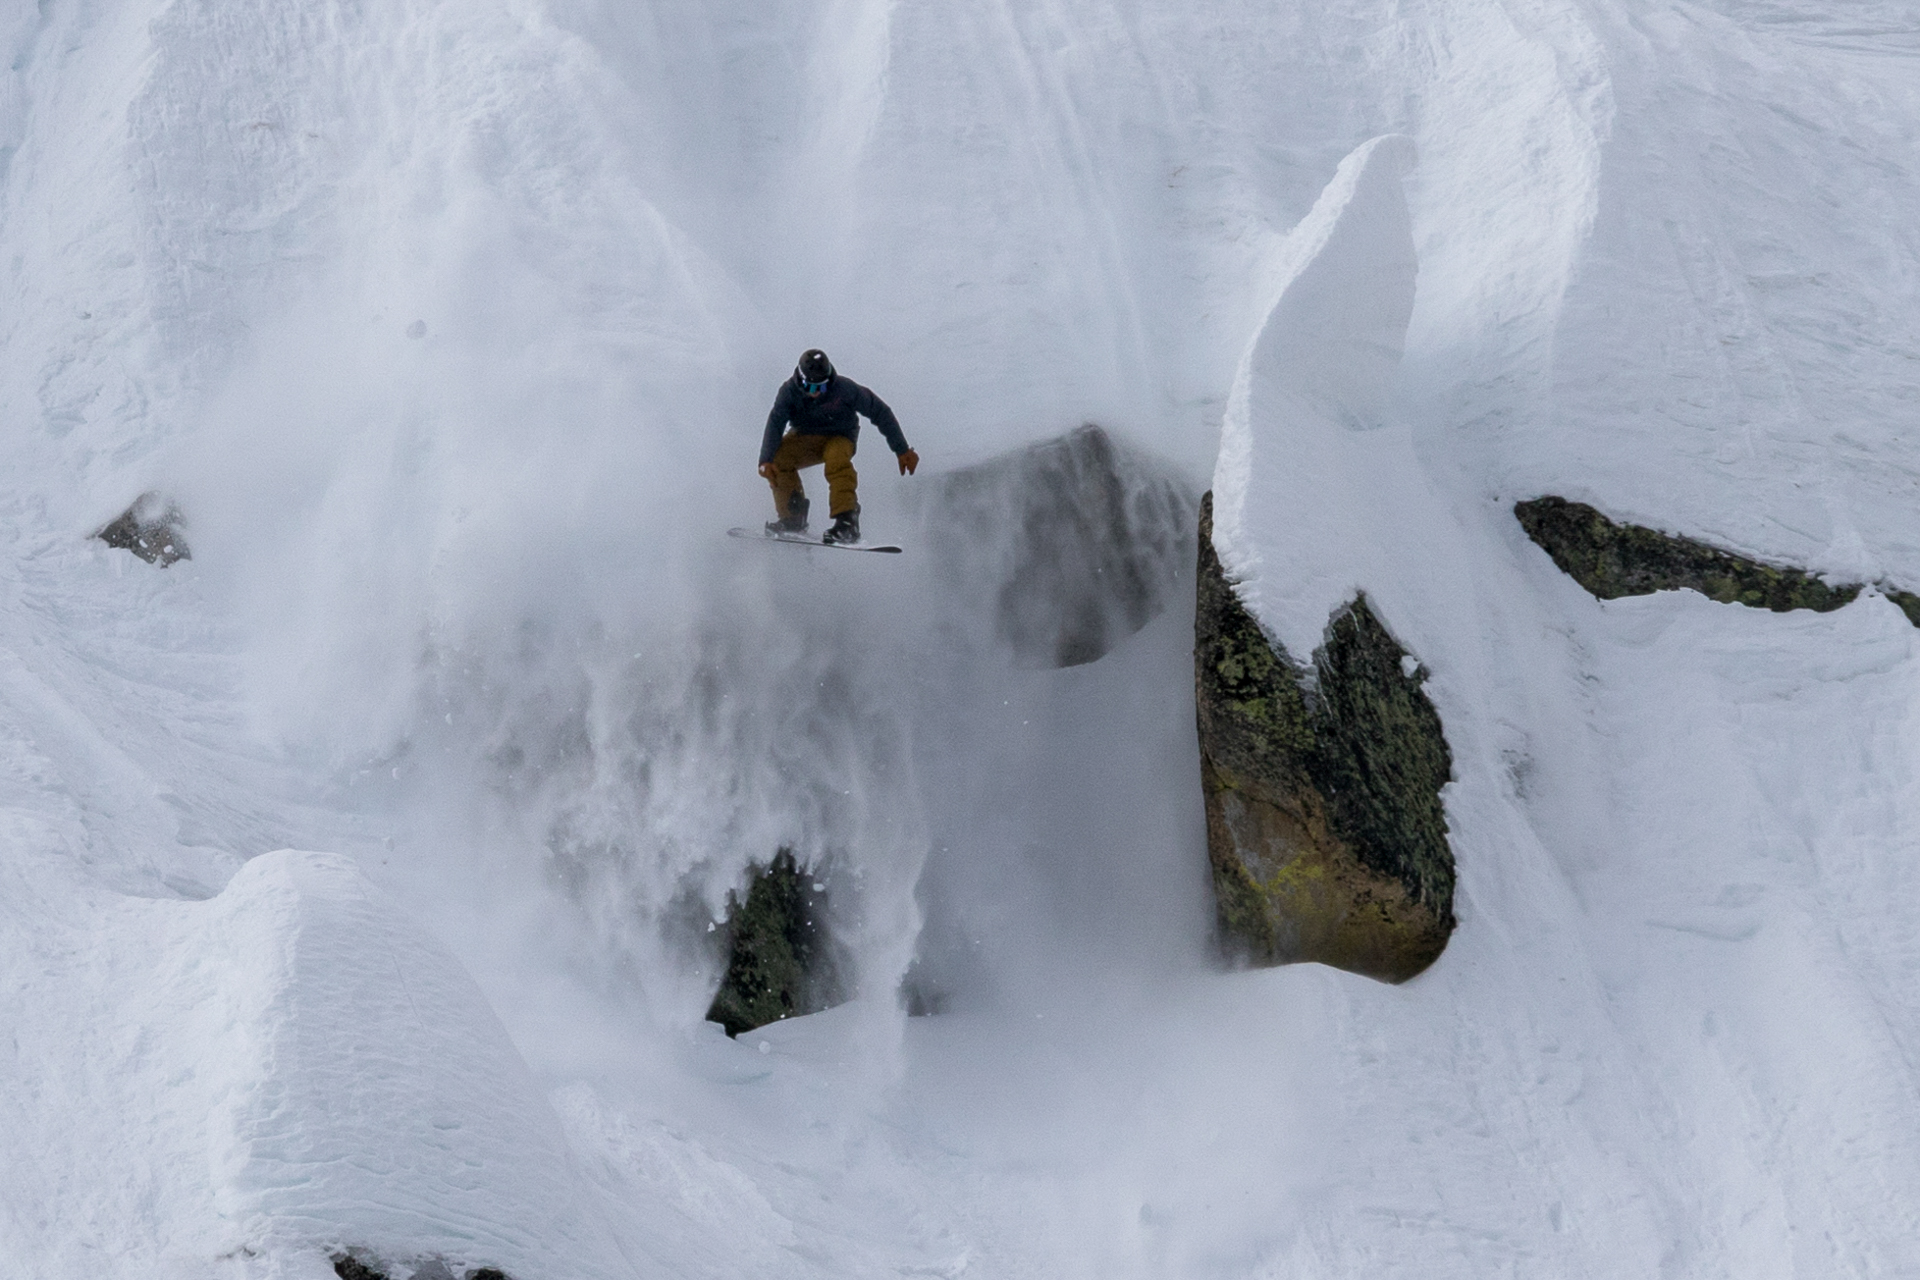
x=822, y=408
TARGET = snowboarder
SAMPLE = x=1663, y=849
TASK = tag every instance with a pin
x=822, y=407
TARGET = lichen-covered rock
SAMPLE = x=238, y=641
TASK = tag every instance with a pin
x=1325, y=830
x=781, y=957
x=150, y=528
x=1612, y=560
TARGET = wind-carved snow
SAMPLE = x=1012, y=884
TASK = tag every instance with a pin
x=1294, y=499
x=1318, y=490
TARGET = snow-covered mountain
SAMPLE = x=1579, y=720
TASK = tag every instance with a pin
x=450, y=328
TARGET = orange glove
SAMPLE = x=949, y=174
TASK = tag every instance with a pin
x=908, y=461
x=766, y=471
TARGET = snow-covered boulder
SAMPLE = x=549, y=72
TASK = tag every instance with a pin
x=373, y=1098
x=286, y=1073
x=1325, y=830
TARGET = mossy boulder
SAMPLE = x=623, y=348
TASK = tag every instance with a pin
x=1612, y=560
x=782, y=961
x=1325, y=831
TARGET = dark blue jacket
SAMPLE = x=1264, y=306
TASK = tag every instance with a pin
x=834, y=412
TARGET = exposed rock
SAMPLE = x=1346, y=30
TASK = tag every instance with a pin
x=781, y=958
x=349, y=1267
x=1612, y=560
x=150, y=528
x=1074, y=543
x=1324, y=825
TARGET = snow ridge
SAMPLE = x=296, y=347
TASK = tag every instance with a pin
x=1323, y=358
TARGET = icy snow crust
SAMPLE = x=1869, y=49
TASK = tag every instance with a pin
x=451, y=326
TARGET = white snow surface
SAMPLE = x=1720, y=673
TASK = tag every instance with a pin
x=451, y=327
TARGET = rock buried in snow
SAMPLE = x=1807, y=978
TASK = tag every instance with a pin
x=348, y=1266
x=1612, y=560
x=1324, y=825
x=781, y=957
x=150, y=528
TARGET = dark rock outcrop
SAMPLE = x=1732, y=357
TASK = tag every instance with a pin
x=150, y=528
x=1612, y=560
x=782, y=961
x=1072, y=544
x=1325, y=830
x=350, y=1267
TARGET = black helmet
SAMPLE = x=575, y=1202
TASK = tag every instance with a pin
x=814, y=367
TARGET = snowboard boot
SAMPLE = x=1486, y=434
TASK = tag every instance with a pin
x=795, y=521
x=845, y=530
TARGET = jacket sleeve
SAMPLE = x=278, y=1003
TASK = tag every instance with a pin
x=882, y=417
x=776, y=425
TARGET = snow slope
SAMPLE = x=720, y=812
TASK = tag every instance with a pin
x=287, y=1058
x=451, y=327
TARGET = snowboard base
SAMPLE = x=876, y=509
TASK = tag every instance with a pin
x=761, y=535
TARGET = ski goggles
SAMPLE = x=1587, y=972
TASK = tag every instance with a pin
x=812, y=388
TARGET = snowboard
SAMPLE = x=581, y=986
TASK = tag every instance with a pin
x=761, y=535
